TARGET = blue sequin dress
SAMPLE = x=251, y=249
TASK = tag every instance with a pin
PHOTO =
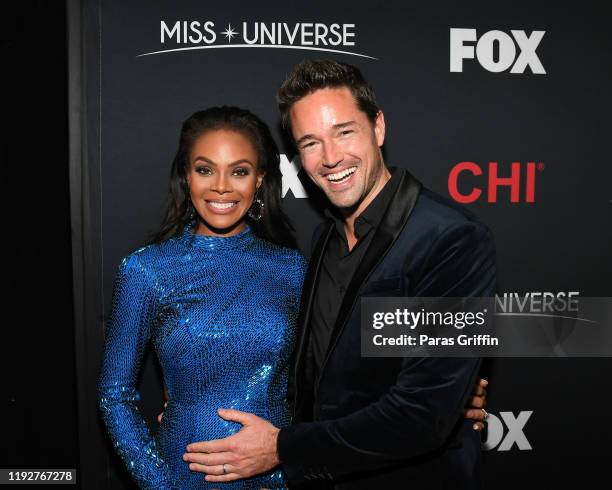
x=220, y=312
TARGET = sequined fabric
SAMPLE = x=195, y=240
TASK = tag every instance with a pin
x=220, y=312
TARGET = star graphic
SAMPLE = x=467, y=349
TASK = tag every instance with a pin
x=229, y=33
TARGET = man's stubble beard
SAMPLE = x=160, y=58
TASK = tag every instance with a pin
x=369, y=186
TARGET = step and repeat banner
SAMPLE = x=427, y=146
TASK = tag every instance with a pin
x=503, y=108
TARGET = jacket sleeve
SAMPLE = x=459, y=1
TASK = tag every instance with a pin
x=419, y=412
x=298, y=274
x=127, y=335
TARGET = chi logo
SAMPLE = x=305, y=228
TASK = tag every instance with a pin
x=521, y=182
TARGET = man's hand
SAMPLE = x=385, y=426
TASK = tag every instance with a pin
x=161, y=415
x=249, y=452
x=475, y=408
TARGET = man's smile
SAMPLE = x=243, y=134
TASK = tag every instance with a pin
x=341, y=177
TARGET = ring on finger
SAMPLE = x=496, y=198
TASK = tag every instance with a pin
x=224, y=468
x=485, y=413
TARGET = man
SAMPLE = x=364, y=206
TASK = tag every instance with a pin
x=365, y=422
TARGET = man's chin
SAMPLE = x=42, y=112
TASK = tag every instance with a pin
x=346, y=198
x=342, y=203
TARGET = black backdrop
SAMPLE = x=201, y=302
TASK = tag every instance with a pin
x=548, y=425
x=38, y=406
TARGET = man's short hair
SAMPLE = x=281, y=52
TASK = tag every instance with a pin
x=311, y=75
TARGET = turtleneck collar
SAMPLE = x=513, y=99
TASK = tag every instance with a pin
x=212, y=243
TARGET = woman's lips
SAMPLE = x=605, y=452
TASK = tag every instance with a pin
x=221, y=207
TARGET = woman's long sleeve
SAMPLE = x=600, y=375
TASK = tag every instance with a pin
x=128, y=332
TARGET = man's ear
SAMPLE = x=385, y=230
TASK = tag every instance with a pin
x=379, y=128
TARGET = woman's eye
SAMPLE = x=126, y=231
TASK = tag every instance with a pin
x=203, y=170
x=241, y=171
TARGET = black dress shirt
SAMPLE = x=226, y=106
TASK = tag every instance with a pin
x=337, y=269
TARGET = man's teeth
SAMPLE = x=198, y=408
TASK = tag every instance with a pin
x=221, y=205
x=340, y=175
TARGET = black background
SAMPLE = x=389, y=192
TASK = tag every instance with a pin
x=39, y=405
x=435, y=119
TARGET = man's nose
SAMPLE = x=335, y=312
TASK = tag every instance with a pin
x=332, y=154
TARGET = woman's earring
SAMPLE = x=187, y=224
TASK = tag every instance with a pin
x=256, y=210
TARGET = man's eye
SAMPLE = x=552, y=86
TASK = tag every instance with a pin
x=308, y=145
x=345, y=132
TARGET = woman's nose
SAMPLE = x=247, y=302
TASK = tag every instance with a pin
x=220, y=184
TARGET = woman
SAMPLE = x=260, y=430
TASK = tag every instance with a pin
x=217, y=292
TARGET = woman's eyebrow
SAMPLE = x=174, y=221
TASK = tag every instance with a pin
x=237, y=162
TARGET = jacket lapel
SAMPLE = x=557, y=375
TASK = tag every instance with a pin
x=310, y=282
x=391, y=225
